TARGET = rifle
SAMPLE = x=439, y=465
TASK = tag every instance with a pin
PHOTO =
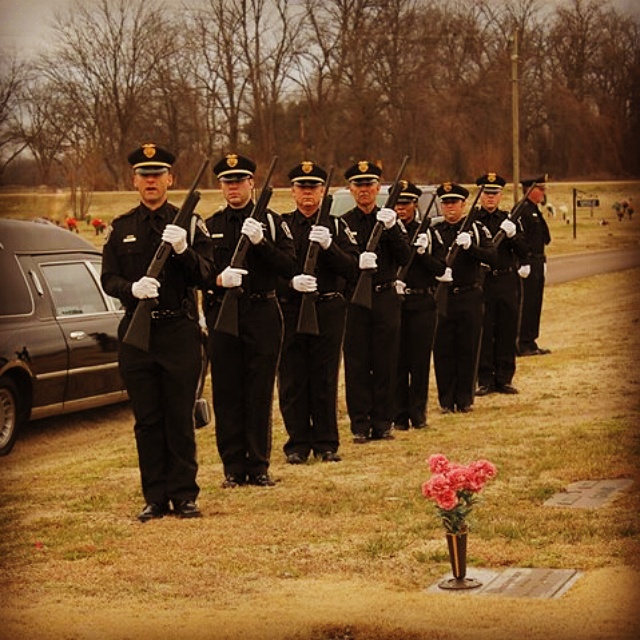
x=227, y=320
x=362, y=292
x=139, y=329
x=513, y=215
x=422, y=227
x=442, y=290
x=308, y=317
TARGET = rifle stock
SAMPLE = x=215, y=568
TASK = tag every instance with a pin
x=227, y=320
x=362, y=294
x=442, y=290
x=308, y=316
x=139, y=330
x=513, y=215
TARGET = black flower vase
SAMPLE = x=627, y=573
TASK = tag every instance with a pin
x=457, y=544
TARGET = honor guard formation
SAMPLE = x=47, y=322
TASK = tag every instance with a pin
x=286, y=297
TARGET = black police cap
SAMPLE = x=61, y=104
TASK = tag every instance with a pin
x=150, y=158
x=493, y=183
x=363, y=172
x=409, y=192
x=451, y=191
x=308, y=173
x=233, y=168
x=530, y=181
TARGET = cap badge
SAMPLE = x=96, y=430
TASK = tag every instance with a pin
x=149, y=150
x=307, y=167
x=447, y=186
x=363, y=166
x=491, y=177
x=232, y=160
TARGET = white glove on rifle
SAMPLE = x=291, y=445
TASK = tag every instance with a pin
x=321, y=235
x=524, y=270
x=447, y=276
x=388, y=217
x=463, y=239
x=304, y=283
x=508, y=227
x=146, y=287
x=401, y=287
x=368, y=260
x=231, y=277
x=422, y=242
x=253, y=230
x=176, y=236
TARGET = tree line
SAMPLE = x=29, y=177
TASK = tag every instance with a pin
x=330, y=80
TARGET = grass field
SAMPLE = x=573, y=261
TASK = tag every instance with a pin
x=346, y=551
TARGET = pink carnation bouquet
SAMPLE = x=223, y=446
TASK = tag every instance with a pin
x=453, y=487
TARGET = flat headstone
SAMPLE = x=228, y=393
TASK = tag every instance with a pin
x=589, y=494
x=532, y=583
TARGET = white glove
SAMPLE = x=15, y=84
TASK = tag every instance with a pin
x=176, y=236
x=388, y=217
x=304, y=283
x=447, y=276
x=146, y=287
x=321, y=235
x=231, y=277
x=368, y=260
x=253, y=230
x=508, y=227
x=524, y=270
x=400, y=287
x=463, y=239
x=422, y=242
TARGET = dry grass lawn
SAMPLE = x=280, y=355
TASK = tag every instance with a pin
x=346, y=551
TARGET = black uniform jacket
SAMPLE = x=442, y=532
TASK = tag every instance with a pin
x=535, y=229
x=509, y=249
x=130, y=247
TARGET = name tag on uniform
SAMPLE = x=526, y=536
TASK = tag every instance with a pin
x=217, y=235
x=130, y=238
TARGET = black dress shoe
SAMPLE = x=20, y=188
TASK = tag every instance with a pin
x=401, y=426
x=261, y=480
x=153, y=511
x=187, y=509
x=447, y=409
x=484, y=390
x=330, y=456
x=420, y=425
x=233, y=480
x=296, y=458
x=506, y=388
x=385, y=435
x=465, y=409
x=360, y=438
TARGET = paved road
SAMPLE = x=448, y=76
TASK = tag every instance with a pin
x=582, y=265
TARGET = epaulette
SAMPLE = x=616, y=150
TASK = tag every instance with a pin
x=124, y=215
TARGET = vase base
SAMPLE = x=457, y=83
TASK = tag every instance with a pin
x=460, y=583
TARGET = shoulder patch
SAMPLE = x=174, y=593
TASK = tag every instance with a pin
x=401, y=225
x=349, y=234
x=203, y=227
x=285, y=229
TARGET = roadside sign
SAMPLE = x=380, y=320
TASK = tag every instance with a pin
x=588, y=202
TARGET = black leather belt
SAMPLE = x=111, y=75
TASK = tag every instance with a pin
x=469, y=287
x=418, y=292
x=329, y=295
x=383, y=287
x=501, y=272
x=261, y=295
x=167, y=314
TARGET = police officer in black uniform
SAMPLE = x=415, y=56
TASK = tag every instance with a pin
x=243, y=368
x=372, y=336
x=534, y=268
x=457, y=339
x=501, y=289
x=418, y=321
x=309, y=364
x=162, y=383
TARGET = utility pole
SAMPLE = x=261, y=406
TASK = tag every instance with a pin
x=515, y=115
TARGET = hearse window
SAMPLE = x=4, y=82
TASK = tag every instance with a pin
x=73, y=289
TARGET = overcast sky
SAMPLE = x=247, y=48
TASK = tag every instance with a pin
x=24, y=23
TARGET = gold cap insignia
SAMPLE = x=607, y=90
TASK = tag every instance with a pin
x=491, y=177
x=149, y=150
x=232, y=160
x=363, y=166
x=403, y=184
x=447, y=186
x=307, y=166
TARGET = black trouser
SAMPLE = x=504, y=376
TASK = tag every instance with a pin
x=416, y=343
x=162, y=385
x=500, y=329
x=308, y=378
x=531, y=306
x=455, y=350
x=371, y=344
x=243, y=373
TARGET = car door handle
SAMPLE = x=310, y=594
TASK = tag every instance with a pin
x=77, y=335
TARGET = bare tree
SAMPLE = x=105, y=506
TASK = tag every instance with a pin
x=12, y=77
